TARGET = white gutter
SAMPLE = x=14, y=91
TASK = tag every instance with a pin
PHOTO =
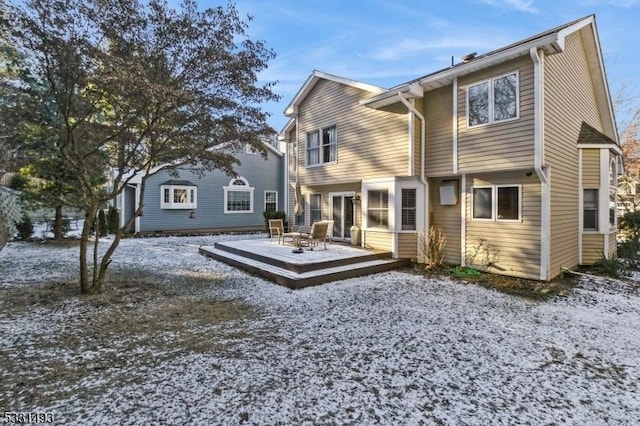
x=422, y=134
x=411, y=130
x=455, y=125
x=416, y=113
x=538, y=112
x=538, y=164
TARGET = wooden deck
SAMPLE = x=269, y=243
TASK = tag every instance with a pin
x=278, y=263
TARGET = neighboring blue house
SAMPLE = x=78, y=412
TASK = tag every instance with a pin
x=214, y=202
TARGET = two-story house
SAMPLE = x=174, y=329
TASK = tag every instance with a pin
x=513, y=153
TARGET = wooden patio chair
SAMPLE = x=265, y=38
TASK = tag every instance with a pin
x=318, y=233
x=329, y=229
x=276, y=229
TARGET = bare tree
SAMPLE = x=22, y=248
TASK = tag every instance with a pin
x=139, y=84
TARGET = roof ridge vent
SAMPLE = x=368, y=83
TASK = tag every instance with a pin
x=469, y=57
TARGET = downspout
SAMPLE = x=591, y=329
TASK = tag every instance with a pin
x=422, y=134
x=417, y=113
x=538, y=164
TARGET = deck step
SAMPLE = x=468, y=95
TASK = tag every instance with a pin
x=302, y=274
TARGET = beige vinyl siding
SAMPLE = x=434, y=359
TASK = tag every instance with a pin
x=592, y=248
x=591, y=168
x=613, y=244
x=407, y=245
x=325, y=190
x=439, y=134
x=448, y=218
x=381, y=240
x=500, y=146
x=569, y=99
x=370, y=143
x=514, y=246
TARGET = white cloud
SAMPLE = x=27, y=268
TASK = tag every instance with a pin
x=623, y=4
x=521, y=5
x=411, y=47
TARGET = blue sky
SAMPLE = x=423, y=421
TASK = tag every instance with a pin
x=387, y=42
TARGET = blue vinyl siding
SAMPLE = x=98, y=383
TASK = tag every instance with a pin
x=263, y=175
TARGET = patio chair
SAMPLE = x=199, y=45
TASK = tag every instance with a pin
x=329, y=229
x=318, y=233
x=276, y=229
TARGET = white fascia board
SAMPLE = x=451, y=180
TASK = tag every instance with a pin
x=414, y=90
x=612, y=147
x=292, y=108
x=487, y=61
x=563, y=33
x=287, y=128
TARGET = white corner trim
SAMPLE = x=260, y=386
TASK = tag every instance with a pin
x=580, y=207
x=137, y=205
x=463, y=219
x=603, y=194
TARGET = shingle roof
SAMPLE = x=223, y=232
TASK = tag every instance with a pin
x=589, y=135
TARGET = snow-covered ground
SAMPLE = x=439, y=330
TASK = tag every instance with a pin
x=391, y=348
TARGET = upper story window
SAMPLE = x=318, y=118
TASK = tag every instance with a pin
x=322, y=146
x=493, y=100
x=178, y=196
x=238, y=196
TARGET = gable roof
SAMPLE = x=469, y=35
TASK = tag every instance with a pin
x=590, y=137
x=137, y=178
x=551, y=41
x=312, y=80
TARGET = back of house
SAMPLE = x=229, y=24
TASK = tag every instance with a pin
x=513, y=154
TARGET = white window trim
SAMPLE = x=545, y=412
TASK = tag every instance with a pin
x=613, y=191
x=248, y=149
x=310, y=197
x=238, y=188
x=390, y=210
x=401, y=210
x=177, y=206
x=306, y=146
x=519, y=219
x=265, y=199
x=494, y=203
x=595, y=230
x=491, y=100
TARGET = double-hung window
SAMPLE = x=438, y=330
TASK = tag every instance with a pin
x=315, y=207
x=493, y=100
x=497, y=202
x=178, y=196
x=322, y=146
x=270, y=201
x=238, y=196
x=590, y=209
x=378, y=209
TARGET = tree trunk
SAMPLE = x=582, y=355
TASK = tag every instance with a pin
x=58, y=230
x=86, y=285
